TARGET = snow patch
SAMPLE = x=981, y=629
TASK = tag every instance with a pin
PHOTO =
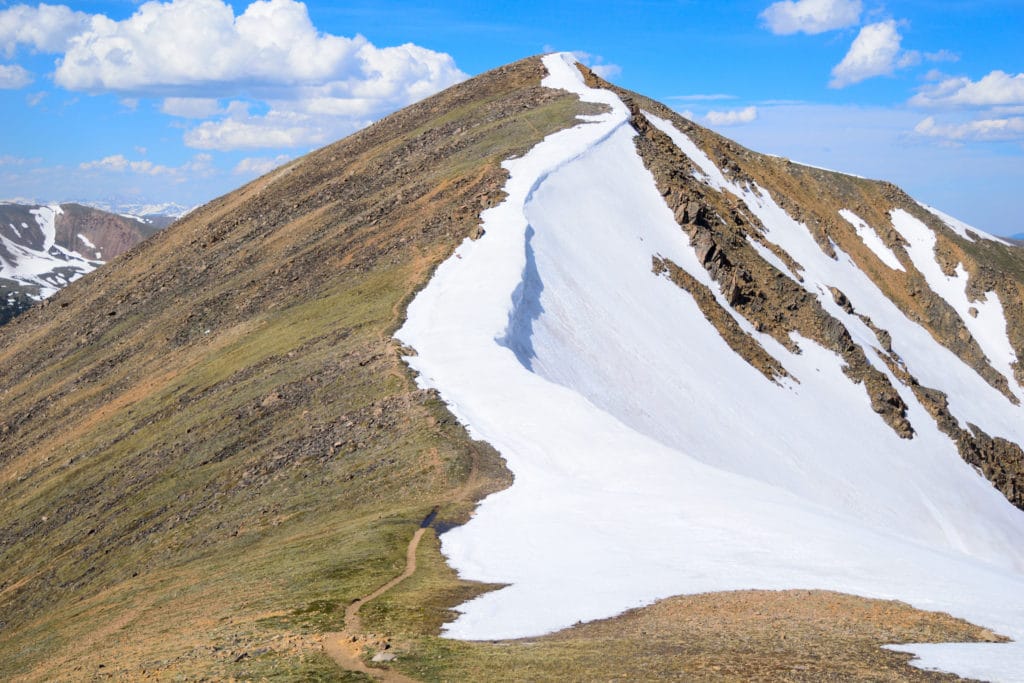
x=49, y=268
x=961, y=228
x=46, y=218
x=871, y=240
x=988, y=323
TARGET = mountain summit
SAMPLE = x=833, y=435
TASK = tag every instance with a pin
x=706, y=370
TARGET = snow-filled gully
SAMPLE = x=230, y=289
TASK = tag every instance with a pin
x=650, y=460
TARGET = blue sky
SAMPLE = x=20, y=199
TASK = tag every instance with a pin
x=182, y=101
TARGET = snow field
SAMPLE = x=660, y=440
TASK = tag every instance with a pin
x=37, y=266
x=650, y=460
x=988, y=326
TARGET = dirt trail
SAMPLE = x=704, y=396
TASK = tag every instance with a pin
x=346, y=647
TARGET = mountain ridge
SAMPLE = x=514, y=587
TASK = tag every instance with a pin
x=635, y=403
x=236, y=445
x=44, y=247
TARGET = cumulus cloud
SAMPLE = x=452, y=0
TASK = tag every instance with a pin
x=810, y=16
x=45, y=28
x=731, y=117
x=194, y=48
x=13, y=77
x=200, y=164
x=190, y=107
x=257, y=166
x=983, y=130
x=187, y=52
x=874, y=52
x=997, y=88
x=287, y=125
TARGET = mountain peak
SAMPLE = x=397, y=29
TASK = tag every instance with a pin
x=686, y=366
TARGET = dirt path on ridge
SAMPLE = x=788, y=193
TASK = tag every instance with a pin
x=346, y=647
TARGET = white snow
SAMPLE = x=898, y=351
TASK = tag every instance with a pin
x=961, y=228
x=89, y=244
x=989, y=326
x=46, y=217
x=650, y=460
x=48, y=268
x=771, y=258
x=871, y=240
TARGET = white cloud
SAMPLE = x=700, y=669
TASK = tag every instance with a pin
x=190, y=107
x=119, y=164
x=46, y=28
x=908, y=58
x=731, y=117
x=191, y=48
x=997, y=88
x=200, y=164
x=607, y=71
x=874, y=52
x=597, y=64
x=13, y=77
x=287, y=124
x=942, y=56
x=983, y=129
x=316, y=86
x=257, y=166
x=35, y=98
x=810, y=16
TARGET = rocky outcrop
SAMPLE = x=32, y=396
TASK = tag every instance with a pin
x=738, y=340
x=722, y=234
x=769, y=299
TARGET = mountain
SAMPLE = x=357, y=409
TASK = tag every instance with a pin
x=45, y=247
x=157, y=214
x=721, y=408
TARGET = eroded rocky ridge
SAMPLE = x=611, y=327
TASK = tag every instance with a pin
x=723, y=231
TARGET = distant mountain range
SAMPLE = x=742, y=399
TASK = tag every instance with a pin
x=45, y=247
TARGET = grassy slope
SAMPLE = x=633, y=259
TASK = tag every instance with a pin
x=217, y=431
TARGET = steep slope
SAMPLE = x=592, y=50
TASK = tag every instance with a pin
x=211, y=446
x=217, y=428
x=44, y=248
x=806, y=427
